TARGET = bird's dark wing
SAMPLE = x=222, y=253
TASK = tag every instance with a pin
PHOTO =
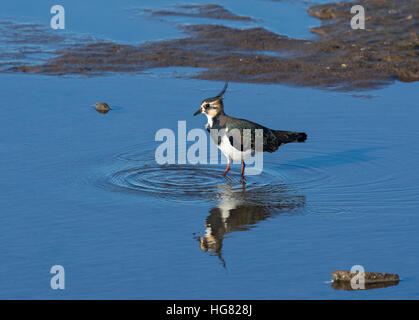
x=244, y=134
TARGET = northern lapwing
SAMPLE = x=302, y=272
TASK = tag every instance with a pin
x=233, y=140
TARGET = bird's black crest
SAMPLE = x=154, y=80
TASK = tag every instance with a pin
x=218, y=96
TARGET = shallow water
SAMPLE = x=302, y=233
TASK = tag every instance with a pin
x=82, y=189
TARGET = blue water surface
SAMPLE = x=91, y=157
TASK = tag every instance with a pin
x=82, y=190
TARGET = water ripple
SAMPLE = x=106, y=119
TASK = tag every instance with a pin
x=336, y=181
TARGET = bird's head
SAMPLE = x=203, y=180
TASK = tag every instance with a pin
x=212, y=106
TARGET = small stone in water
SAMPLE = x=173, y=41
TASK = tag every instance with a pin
x=102, y=107
x=370, y=277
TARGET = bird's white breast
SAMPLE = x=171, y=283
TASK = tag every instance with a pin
x=225, y=146
x=210, y=122
x=231, y=152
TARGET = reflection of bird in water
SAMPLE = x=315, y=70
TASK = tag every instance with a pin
x=240, y=210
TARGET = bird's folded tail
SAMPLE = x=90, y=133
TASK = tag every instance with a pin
x=290, y=136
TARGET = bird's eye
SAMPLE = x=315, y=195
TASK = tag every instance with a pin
x=207, y=105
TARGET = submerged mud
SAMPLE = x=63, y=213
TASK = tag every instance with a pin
x=27, y=44
x=337, y=58
x=212, y=11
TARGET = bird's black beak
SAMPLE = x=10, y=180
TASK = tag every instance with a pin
x=197, y=112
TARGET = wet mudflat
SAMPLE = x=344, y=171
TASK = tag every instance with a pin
x=339, y=58
x=82, y=189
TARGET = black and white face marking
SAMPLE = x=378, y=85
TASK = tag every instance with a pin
x=211, y=108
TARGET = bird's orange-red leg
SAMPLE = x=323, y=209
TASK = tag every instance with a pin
x=227, y=169
x=243, y=165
